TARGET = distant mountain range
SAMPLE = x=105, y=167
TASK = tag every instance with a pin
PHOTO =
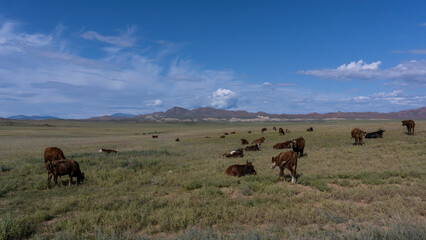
x=24, y=117
x=178, y=114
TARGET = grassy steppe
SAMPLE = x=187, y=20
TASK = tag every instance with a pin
x=159, y=188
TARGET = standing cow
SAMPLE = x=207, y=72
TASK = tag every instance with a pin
x=410, y=126
x=244, y=141
x=286, y=160
x=281, y=131
x=64, y=167
x=358, y=135
x=264, y=130
x=298, y=145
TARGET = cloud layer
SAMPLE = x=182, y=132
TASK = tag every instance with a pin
x=410, y=71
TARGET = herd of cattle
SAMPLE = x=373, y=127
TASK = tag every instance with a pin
x=58, y=165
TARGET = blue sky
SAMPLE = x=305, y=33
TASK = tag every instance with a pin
x=78, y=59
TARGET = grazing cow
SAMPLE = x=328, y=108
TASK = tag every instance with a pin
x=207, y=137
x=225, y=133
x=260, y=140
x=410, y=126
x=310, y=129
x=64, y=167
x=274, y=128
x=108, y=150
x=177, y=140
x=154, y=136
x=264, y=130
x=232, y=132
x=253, y=147
x=249, y=131
x=287, y=131
x=223, y=136
x=281, y=131
x=244, y=141
x=53, y=154
x=358, y=135
x=282, y=145
x=286, y=160
x=298, y=145
x=241, y=170
x=237, y=153
x=378, y=134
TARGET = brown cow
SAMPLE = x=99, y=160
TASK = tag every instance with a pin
x=249, y=131
x=177, y=140
x=358, y=135
x=264, y=130
x=64, y=167
x=253, y=147
x=274, y=128
x=154, y=136
x=226, y=134
x=310, y=129
x=108, y=150
x=207, y=137
x=223, y=136
x=241, y=170
x=237, y=153
x=244, y=141
x=232, y=132
x=286, y=160
x=281, y=131
x=260, y=140
x=52, y=154
x=287, y=131
x=298, y=145
x=410, y=125
x=282, y=145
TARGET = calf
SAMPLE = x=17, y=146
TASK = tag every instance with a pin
x=241, y=170
x=282, y=145
x=252, y=148
x=281, y=131
x=237, y=153
x=274, y=128
x=286, y=160
x=264, y=130
x=53, y=154
x=287, y=131
x=378, y=134
x=108, y=150
x=358, y=135
x=310, y=129
x=64, y=167
x=244, y=141
x=260, y=140
x=410, y=125
x=298, y=145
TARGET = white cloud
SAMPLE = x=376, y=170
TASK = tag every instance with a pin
x=411, y=71
x=123, y=40
x=154, y=103
x=224, y=98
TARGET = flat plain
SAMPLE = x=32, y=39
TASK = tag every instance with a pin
x=162, y=189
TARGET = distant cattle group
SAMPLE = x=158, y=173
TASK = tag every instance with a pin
x=58, y=165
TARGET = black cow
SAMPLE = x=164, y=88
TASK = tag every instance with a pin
x=378, y=134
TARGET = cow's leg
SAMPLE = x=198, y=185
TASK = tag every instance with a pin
x=413, y=130
x=55, y=178
x=293, y=175
x=70, y=180
x=49, y=178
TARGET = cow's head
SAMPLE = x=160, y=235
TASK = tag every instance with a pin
x=82, y=176
x=404, y=122
x=100, y=149
x=249, y=168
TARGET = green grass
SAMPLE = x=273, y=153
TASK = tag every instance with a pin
x=162, y=189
